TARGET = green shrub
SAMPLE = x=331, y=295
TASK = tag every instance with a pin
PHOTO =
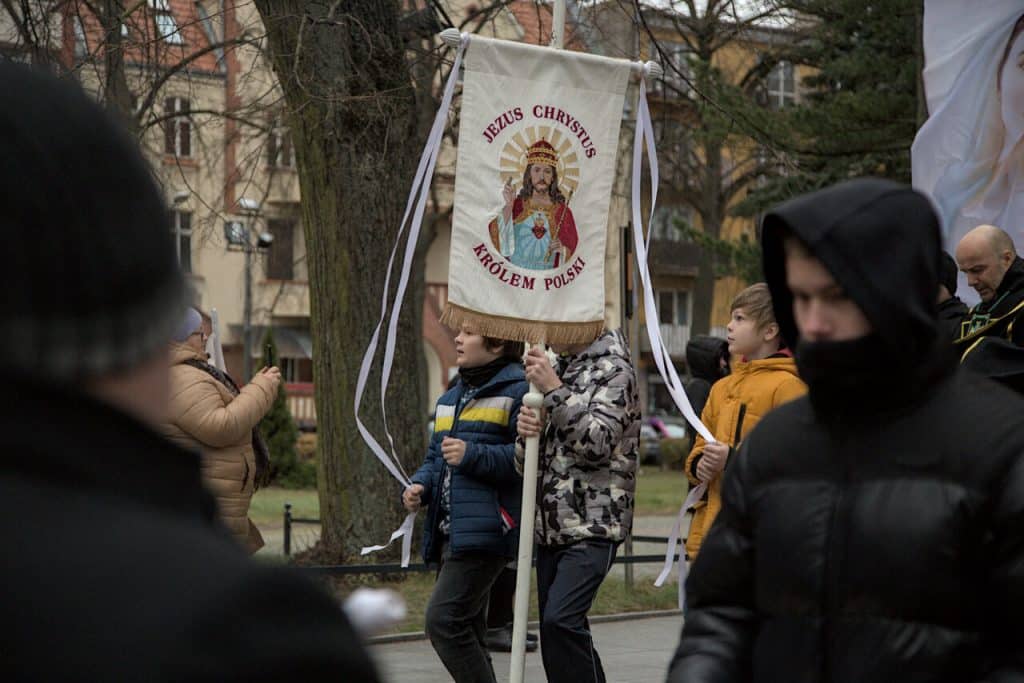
x=281, y=433
x=674, y=452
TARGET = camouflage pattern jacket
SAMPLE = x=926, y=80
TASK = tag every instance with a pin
x=588, y=452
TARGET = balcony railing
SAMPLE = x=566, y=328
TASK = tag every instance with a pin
x=301, y=403
x=674, y=336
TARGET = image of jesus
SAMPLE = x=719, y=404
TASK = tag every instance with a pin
x=535, y=229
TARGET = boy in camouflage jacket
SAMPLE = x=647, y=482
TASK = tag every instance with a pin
x=587, y=478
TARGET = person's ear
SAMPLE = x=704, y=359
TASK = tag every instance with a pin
x=771, y=331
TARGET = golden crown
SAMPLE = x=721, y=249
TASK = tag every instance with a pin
x=541, y=152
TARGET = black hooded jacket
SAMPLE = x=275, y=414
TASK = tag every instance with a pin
x=992, y=344
x=952, y=313
x=703, y=357
x=874, y=530
x=1005, y=306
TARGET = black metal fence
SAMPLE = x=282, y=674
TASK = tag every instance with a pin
x=627, y=558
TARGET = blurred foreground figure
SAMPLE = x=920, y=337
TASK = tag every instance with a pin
x=874, y=529
x=115, y=566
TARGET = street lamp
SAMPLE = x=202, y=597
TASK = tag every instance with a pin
x=248, y=205
x=239, y=238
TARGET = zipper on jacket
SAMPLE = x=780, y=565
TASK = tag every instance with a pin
x=735, y=445
x=738, y=434
x=459, y=407
x=835, y=542
x=445, y=467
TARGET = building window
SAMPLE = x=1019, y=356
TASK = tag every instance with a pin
x=780, y=87
x=81, y=44
x=666, y=224
x=673, y=307
x=280, y=153
x=177, y=127
x=213, y=27
x=165, y=24
x=678, y=75
x=281, y=258
x=181, y=227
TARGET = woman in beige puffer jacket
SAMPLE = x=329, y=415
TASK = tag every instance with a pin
x=205, y=415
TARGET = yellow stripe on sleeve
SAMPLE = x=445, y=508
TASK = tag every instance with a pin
x=493, y=415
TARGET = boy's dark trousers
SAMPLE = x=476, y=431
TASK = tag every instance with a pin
x=456, y=619
x=567, y=580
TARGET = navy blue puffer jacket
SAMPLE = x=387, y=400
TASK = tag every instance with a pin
x=486, y=481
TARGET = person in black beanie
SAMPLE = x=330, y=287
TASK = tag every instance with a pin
x=469, y=481
x=708, y=361
x=952, y=311
x=117, y=568
x=870, y=531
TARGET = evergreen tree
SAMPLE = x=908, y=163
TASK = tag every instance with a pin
x=281, y=434
x=861, y=107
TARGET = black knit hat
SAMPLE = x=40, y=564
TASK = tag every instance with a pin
x=948, y=273
x=89, y=283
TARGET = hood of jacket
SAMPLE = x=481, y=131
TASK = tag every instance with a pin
x=510, y=374
x=1011, y=284
x=703, y=355
x=881, y=242
x=610, y=343
x=780, y=363
x=181, y=353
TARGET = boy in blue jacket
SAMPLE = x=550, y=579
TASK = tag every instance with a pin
x=469, y=481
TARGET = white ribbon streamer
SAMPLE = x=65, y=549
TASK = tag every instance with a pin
x=420, y=185
x=644, y=134
x=658, y=350
x=213, y=345
x=696, y=493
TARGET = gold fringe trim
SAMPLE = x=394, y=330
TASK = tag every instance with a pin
x=516, y=329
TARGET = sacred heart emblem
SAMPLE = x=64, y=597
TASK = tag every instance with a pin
x=538, y=227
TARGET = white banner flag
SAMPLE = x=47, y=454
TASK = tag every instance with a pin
x=538, y=137
x=969, y=154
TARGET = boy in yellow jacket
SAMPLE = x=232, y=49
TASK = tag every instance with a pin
x=763, y=377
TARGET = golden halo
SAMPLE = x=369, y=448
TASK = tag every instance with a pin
x=513, y=156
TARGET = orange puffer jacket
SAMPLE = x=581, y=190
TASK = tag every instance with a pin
x=737, y=402
x=205, y=416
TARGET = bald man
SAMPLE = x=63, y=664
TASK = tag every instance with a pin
x=991, y=342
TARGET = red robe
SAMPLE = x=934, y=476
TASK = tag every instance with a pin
x=563, y=226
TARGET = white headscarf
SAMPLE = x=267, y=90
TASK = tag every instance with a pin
x=962, y=156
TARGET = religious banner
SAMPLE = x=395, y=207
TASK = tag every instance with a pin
x=538, y=138
x=969, y=154
x=537, y=150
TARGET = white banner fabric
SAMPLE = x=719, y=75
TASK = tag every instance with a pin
x=538, y=137
x=969, y=154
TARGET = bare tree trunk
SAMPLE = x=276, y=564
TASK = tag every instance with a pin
x=116, y=93
x=352, y=114
x=712, y=215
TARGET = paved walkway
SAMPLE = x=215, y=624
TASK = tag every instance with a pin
x=632, y=651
